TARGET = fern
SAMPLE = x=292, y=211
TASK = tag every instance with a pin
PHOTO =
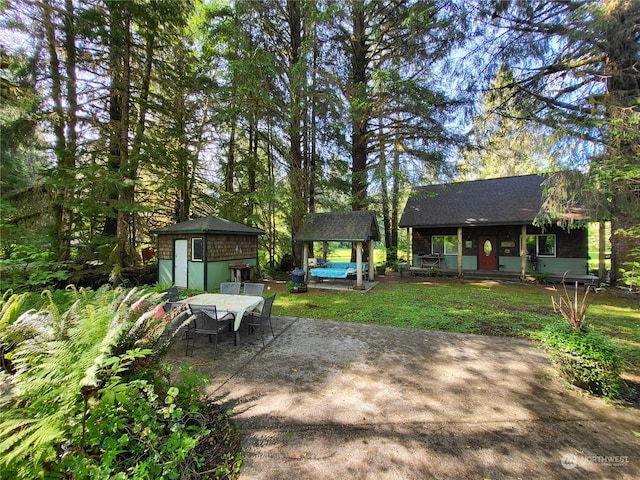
x=61, y=360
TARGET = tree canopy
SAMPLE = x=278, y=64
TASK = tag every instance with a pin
x=140, y=113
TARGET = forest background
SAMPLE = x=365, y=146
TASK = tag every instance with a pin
x=119, y=117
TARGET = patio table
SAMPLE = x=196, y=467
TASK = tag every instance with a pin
x=236, y=304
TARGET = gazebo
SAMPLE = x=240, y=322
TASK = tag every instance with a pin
x=357, y=227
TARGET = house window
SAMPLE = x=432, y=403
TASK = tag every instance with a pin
x=444, y=244
x=541, y=245
x=197, y=249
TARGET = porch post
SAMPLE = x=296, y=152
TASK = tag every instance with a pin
x=359, y=285
x=305, y=261
x=409, y=259
x=523, y=253
x=460, y=251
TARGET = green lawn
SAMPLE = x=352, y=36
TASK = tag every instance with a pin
x=341, y=254
x=482, y=308
x=486, y=308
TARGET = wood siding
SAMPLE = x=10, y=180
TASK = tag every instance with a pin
x=219, y=247
x=572, y=244
x=231, y=247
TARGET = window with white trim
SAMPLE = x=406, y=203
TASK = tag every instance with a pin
x=541, y=245
x=444, y=244
x=197, y=249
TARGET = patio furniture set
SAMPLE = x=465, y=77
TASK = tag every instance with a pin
x=212, y=314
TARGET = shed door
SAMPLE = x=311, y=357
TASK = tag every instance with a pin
x=487, y=254
x=180, y=263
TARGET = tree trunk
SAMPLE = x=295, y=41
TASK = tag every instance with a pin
x=251, y=168
x=360, y=109
x=64, y=126
x=125, y=196
x=313, y=166
x=182, y=155
x=69, y=161
x=623, y=90
x=117, y=225
x=273, y=232
x=296, y=79
x=115, y=118
x=231, y=160
x=134, y=159
x=395, y=202
x=384, y=190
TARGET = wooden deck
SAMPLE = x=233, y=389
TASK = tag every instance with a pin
x=590, y=280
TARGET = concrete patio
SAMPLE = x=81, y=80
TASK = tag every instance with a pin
x=328, y=400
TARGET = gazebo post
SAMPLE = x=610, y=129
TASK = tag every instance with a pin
x=372, y=267
x=305, y=261
x=359, y=285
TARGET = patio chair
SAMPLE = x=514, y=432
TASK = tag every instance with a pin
x=253, y=289
x=208, y=320
x=171, y=298
x=171, y=294
x=259, y=319
x=230, y=288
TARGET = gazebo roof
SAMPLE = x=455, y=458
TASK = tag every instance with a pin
x=209, y=224
x=359, y=226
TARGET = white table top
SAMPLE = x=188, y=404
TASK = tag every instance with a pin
x=236, y=304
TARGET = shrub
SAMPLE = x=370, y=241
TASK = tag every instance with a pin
x=31, y=266
x=139, y=427
x=88, y=399
x=587, y=359
x=296, y=288
x=573, y=309
x=631, y=270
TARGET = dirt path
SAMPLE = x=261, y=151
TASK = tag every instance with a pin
x=328, y=400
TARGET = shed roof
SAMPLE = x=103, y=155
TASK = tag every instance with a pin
x=497, y=201
x=209, y=224
x=359, y=226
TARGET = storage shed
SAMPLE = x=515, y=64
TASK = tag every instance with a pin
x=204, y=252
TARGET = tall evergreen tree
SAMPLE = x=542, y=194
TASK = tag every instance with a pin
x=397, y=105
x=503, y=143
x=21, y=138
x=575, y=70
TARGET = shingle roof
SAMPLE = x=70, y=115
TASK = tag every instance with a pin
x=497, y=201
x=209, y=224
x=357, y=226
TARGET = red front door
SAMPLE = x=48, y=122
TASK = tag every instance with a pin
x=487, y=254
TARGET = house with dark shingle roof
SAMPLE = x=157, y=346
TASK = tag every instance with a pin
x=487, y=226
x=204, y=252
